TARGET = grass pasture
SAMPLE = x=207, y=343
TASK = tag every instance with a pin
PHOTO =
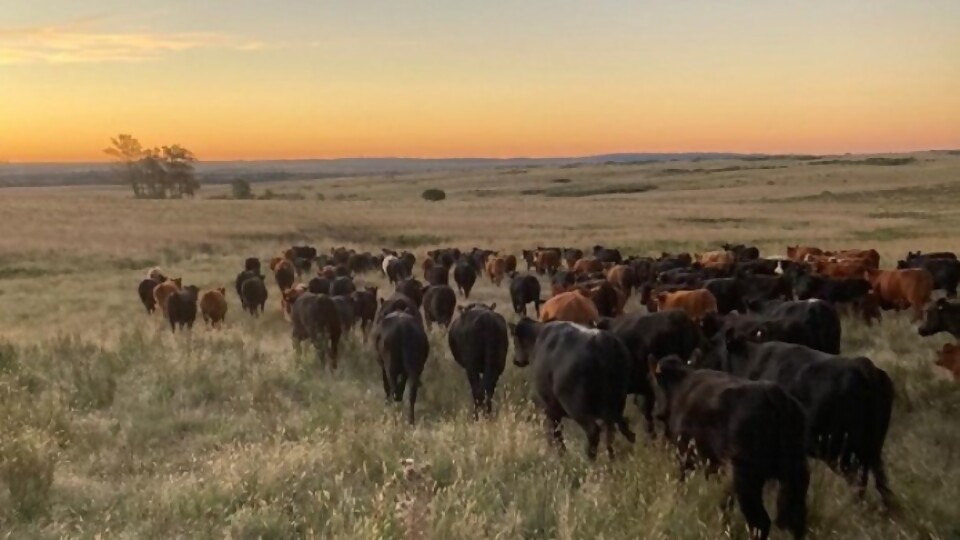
x=112, y=427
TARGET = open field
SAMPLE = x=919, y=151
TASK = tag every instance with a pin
x=229, y=434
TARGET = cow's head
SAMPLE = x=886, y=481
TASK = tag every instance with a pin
x=938, y=318
x=525, y=333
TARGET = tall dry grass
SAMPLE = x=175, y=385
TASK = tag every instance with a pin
x=111, y=425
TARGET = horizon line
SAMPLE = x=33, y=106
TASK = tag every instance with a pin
x=512, y=158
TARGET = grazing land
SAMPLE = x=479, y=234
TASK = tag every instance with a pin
x=228, y=433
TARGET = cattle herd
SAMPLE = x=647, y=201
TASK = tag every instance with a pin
x=736, y=357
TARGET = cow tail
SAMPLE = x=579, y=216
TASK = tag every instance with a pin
x=879, y=409
x=490, y=375
x=792, y=471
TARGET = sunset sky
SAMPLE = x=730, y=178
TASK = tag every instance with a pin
x=246, y=79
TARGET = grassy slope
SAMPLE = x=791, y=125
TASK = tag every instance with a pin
x=217, y=433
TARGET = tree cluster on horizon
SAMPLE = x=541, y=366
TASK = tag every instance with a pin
x=166, y=172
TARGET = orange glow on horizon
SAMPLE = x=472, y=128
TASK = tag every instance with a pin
x=667, y=78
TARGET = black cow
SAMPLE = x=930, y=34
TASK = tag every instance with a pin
x=761, y=328
x=412, y=289
x=397, y=270
x=478, y=340
x=524, y=289
x=361, y=263
x=319, y=285
x=728, y=292
x=832, y=290
x=848, y=400
x=182, y=308
x=303, y=257
x=942, y=316
x=945, y=272
x=572, y=255
x=445, y=257
x=819, y=318
x=304, y=252
x=439, y=275
x=252, y=264
x=241, y=277
x=478, y=258
x=342, y=286
x=578, y=372
x=145, y=292
x=762, y=288
x=645, y=269
x=465, y=275
x=607, y=255
x=659, y=335
x=399, y=302
x=439, y=304
x=742, y=253
x=408, y=259
x=757, y=427
x=253, y=294
x=529, y=258
x=285, y=276
x=670, y=262
x=934, y=255
x=562, y=281
x=365, y=306
x=681, y=276
x=313, y=316
x=765, y=267
x=402, y=349
x=347, y=311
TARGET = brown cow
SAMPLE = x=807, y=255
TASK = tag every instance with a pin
x=868, y=256
x=428, y=265
x=799, y=253
x=623, y=277
x=496, y=269
x=571, y=306
x=290, y=296
x=715, y=259
x=511, y=261
x=847, y=268
x=547, y=261
x=587, y=265
x=213, y=306
x=949, y=359
x=275, y=262
x=165, y=290
x=696, y=304
x=901, y=289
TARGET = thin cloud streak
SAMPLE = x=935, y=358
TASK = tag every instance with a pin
x=69, y=44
